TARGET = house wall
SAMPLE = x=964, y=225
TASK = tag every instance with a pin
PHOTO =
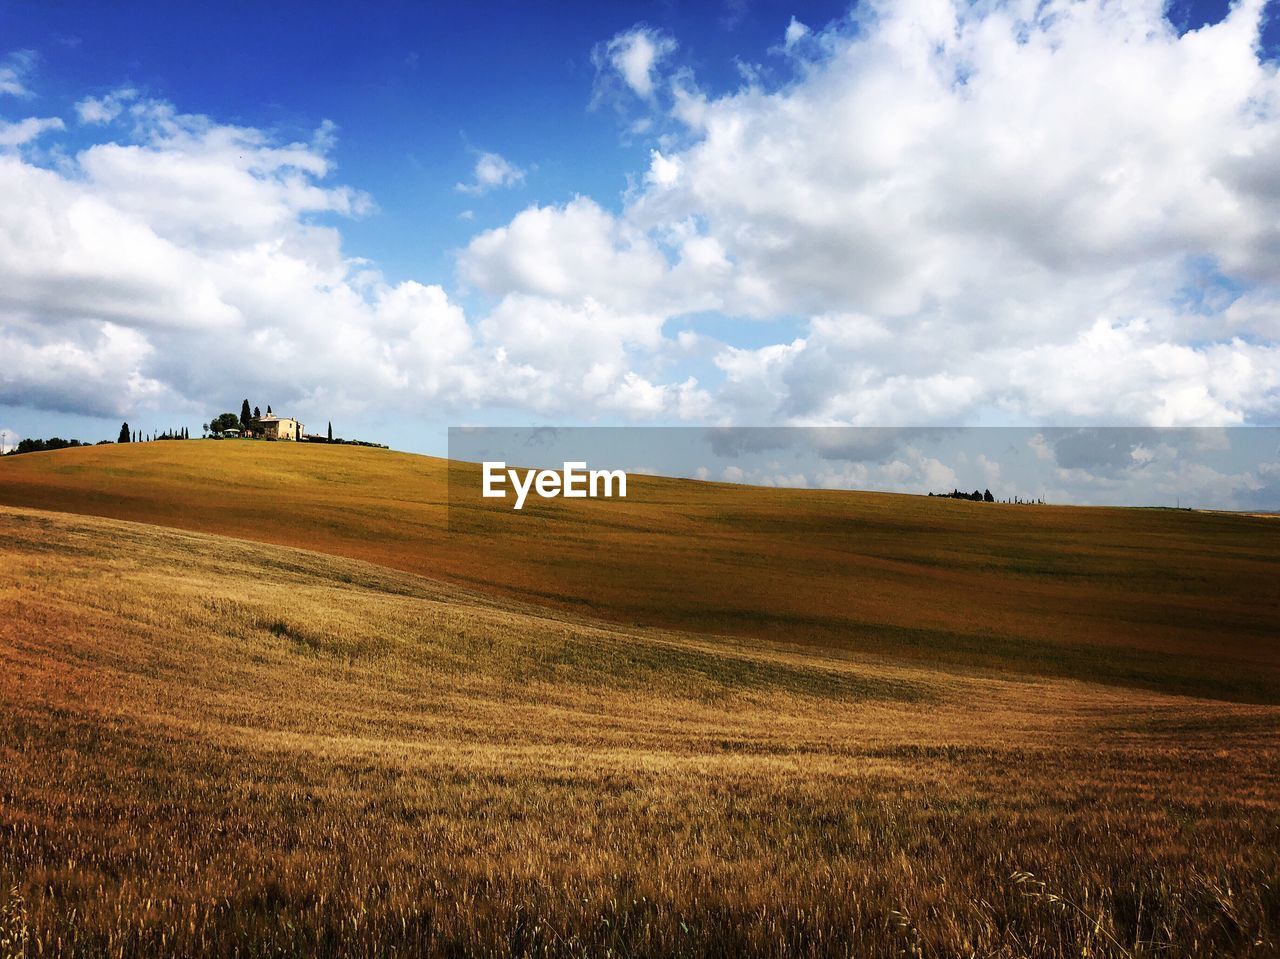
x=283, y=429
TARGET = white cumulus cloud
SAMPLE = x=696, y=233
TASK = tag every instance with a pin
x=795, y=32
x=178, y=261
x=15, y=71
x=967, y=202
x=633, y=57
x=106, y=108
x=492, y=170
x=22, y=132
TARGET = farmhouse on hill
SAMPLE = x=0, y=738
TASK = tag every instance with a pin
x=279, y=427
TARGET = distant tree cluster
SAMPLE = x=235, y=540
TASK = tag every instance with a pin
x=249, y=423
x=42, y=446
x=223, y=422
x=976, y=496
x=128, y=435
x=986, y=497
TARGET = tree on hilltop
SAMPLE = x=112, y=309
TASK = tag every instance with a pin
x=246, y=414
x=124, y=433
x=331, y=431
x=223, y=422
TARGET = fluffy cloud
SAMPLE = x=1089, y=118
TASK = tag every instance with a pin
x=160, y=267
x=909, y=470
x=106, y=108
x=23, y=132
x=632, y=57
x=567, y=252
x=181, y=260
x=1008, y=210
x=88, y=369
x=492, y=170
x=14, y=72
x=795, y=32
x=1202, y=468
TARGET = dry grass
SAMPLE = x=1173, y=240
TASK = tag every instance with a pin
x=211, y=747
x=1126, y=597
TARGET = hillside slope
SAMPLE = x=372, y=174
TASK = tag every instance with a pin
x=213, y=747
x=1161, y=599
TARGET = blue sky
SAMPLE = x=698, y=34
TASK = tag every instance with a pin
x=887, y=214
x=415, y=90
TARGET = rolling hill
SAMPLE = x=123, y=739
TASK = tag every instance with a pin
x=1159, y=599
x=212, y=747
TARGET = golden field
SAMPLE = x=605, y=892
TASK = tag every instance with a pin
x=811, y=728
x=1158, y=599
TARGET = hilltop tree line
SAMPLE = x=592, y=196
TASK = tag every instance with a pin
x=52, y=443
x=248, y=421
x=985, y=497
x=975, y=496
x=127, y=435
x=137, y=436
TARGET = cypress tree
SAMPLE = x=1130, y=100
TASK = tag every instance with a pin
x=331, y=431
x=124, y=433
x=246, y=414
